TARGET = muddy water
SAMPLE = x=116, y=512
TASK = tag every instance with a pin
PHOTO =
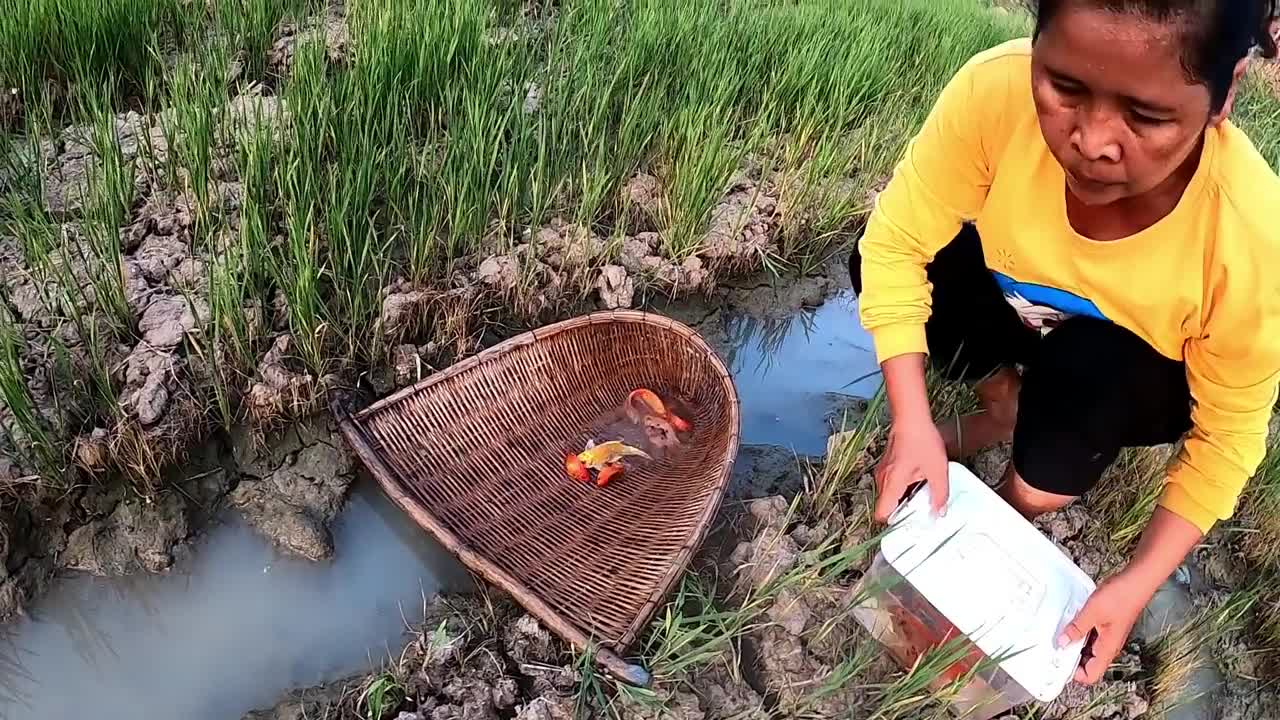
x=237, y=625
x=229, y=630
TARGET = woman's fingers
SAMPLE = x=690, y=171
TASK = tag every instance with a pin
x=939, y=487
x=890, y=493
x=936, y=469
x=1106, y=646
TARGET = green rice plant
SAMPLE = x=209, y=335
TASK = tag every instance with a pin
x=593, y=124
x=21, y=199
x=40, y=439
x=590, y=696
x=110, y=193
x=848, y=456
x=949, y=398
x=250, y=252
x=93, y=369
x=296, y=265
x=692, y=632
x=381, y=697
x=50, y=50
x=209, y=342
x=197, y=97
x=923, y=688
x=846, y=673
x=472, y=162
x=702, y=158
x=822, y=200
x=52, y=255
x=1267, y=615
x=250, y=25
x=1257, y=112
x=431, y=58
x=1127, y=496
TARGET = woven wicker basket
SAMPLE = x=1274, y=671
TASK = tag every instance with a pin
x=475, y=455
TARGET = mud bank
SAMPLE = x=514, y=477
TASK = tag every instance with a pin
x=480, y=657
x=289, y=490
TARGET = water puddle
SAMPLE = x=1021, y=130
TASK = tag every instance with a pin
x=793, y=371
x=238, y=625
x=229, y=632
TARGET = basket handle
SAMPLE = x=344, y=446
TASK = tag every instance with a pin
x=622, y=670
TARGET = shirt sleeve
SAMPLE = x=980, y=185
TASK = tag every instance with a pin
x=1233, y=371
x=941, y=181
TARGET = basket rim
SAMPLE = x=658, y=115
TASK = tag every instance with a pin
x=352, y=427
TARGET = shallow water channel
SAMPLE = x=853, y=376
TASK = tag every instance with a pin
x=235, y=625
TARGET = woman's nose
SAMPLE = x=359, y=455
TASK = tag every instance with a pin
x=1096, y=139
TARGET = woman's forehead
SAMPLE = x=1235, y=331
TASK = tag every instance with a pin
x=1122, y=54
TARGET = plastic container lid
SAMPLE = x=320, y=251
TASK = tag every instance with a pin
x=994, y=576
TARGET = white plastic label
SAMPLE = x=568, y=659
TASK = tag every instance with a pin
x=995, y=577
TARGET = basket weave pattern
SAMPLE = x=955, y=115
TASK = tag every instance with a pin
x=476, y=455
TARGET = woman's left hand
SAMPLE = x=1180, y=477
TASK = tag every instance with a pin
x=1111, y=611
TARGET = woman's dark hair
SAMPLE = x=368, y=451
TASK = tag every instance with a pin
x=1217, y=34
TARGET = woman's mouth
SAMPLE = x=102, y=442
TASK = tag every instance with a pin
x=1090, y=185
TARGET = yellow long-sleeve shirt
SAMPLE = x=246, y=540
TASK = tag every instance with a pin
x=1200, y=286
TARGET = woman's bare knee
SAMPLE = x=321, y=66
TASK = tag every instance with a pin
x=1028, y=501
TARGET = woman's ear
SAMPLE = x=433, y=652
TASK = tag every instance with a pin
x=1220, y=116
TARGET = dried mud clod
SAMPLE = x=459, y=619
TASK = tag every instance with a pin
x=416, y=314
x=742, y=227
x=136, y=536
x=105, y=531
x=282, y=389
x=330, y=29
x=481, y=656
x=292, y=492
x=643, y=200
x=807, y=632
x=1113, y=699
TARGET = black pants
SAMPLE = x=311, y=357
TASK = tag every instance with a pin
x=1089, y=387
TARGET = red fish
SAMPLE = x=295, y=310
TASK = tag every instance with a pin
x=646, y=399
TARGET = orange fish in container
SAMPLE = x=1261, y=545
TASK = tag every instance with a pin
x=920, y=634
x=605, y=458
x=644, y=401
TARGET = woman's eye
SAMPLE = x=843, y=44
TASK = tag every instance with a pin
x=1066, y=88
x=1144, y=119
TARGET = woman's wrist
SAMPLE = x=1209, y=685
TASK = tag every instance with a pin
x=1165, y=544
x=905, y=386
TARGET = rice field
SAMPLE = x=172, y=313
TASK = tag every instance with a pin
x=214, y=212
x=302, y=164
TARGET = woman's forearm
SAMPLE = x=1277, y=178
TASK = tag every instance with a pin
x=1165, y=543
x=904, y=381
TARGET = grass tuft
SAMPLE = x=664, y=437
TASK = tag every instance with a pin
x=1127, y=497
x=381, y=697
x=1183, y=651
x=1259, y=515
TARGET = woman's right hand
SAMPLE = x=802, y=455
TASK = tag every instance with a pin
x=915, y=453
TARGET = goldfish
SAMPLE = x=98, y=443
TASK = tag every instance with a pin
x=608, y=453
x=603, y=458
x=607, y=474
x=646, y=399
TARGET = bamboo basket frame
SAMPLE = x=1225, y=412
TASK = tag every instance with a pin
x=547, y=352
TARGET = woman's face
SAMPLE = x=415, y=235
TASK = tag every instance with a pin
x=1115, y=105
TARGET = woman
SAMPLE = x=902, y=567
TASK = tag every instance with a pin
x=1079, y=206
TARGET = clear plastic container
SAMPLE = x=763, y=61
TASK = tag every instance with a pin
x=983, y=573
x=909, y=626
